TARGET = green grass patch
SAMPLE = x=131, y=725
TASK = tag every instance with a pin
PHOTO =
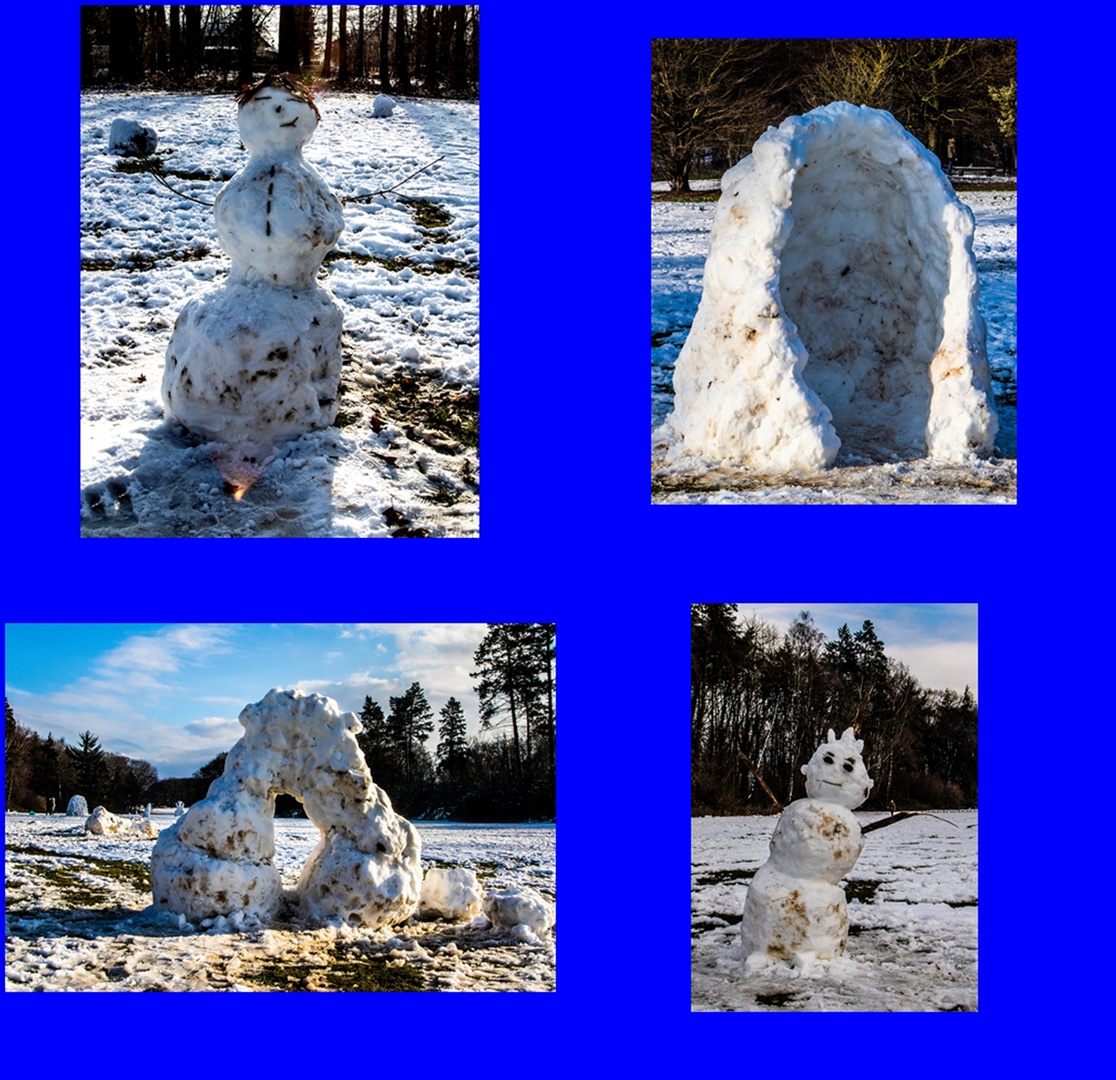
x=343, y=970
x=415, y=399
x=427, y=215
x=134, y=874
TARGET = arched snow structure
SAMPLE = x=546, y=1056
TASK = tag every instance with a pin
x=218, y=858
x=839, y=305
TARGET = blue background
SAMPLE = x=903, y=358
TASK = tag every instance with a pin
x=569, y=536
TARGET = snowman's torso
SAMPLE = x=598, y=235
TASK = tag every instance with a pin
x=277, y=219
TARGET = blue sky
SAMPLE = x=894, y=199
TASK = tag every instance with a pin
x=171, y=694
x=937, y=642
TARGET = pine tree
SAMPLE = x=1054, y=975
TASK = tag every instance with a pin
x=91, y=773
x=452, y=747
x=411, y=722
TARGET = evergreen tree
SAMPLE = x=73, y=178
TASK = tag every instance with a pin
x=91, y=773
x=411, y=722
x=452, y=746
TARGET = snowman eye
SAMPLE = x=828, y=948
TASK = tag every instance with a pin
x=828, y=759
x=848, y=766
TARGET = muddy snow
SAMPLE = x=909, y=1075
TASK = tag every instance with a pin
x=912, y=901
x=78, y=916
x=401, y=457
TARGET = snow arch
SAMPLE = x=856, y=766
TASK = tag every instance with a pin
x=218, y=858
x=839, y=304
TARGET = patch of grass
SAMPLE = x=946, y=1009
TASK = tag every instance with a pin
x=721, y=877
x=417, y=399
x=864, y=891
x=427, y=215
x=444, y=493
x=342, y=971
x=138, y=260
x=777, y=1000
x=135, y=874
x=400, y=262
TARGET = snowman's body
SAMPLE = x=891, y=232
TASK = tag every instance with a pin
x=795, y=911
x=257, y=359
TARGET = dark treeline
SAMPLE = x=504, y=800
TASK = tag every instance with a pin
x=772, y=697
x=431, y=50
x=711, y=99
x=37, y=770
x=505, y=774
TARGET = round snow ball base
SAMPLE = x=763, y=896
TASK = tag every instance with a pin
x=839, y=306
x=251, y=364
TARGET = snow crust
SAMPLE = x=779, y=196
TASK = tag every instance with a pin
x=219, y=857
x=450, y=893
x=795, y=911
x=839, y=304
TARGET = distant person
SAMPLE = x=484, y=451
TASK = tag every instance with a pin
x=951, y=153
x=50, y=806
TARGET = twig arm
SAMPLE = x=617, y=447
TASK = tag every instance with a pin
x=763, y=783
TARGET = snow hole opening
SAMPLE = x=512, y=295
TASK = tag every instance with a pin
x=864, y=279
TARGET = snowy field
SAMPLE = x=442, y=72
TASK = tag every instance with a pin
x=402, y=454
x=679, y=244
x=75, y=919
x=912, y=900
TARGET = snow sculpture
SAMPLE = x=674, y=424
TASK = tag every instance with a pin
x=450, y=894
x=795, y=910
x=522, y=910
x=77, y=807
x=218, y=858
x=258, y=359
x=103, y=823
x=179, y=809
x=839, y=305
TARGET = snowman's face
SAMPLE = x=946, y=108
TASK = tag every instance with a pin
x=275, y=120
x=836, y=772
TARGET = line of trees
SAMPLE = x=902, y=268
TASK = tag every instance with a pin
x=711, y=99
x=37, y=770
x=400, y=48
x=772, y=697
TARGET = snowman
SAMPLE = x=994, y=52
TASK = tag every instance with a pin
x=795, y=910
x=257, y=359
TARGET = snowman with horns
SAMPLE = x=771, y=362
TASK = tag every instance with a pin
x=257, y=359
x=795, y=911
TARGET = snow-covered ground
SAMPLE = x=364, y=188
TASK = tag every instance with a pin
x=76, y=918
x=679, y=244
x=403, y=452
x=912, y=900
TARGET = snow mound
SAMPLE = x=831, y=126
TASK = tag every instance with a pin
x=520, y=909
x=131, y=137
x=450, y=894
x=383, y=105
x=103, y=823
x=839, y=305
x=219, y=857
x=77, y=807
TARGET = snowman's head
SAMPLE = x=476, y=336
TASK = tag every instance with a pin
x=276, y=114
x=836, y=772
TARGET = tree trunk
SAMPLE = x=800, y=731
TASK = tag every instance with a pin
x=246, y=48
x=385, y=43
x=343, y=46
x=327, y=58
x=288, y=41
x=402, y=68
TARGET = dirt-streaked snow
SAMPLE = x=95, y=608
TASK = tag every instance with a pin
x=403, y=451
x=912, y=900
x=78, y=917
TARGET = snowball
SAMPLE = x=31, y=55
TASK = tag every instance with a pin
x=450, y=894
x=839, y=305
x=520, y=909
x=77, y=807
x=218, y=858
x=131, y=137
x=383, y=105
